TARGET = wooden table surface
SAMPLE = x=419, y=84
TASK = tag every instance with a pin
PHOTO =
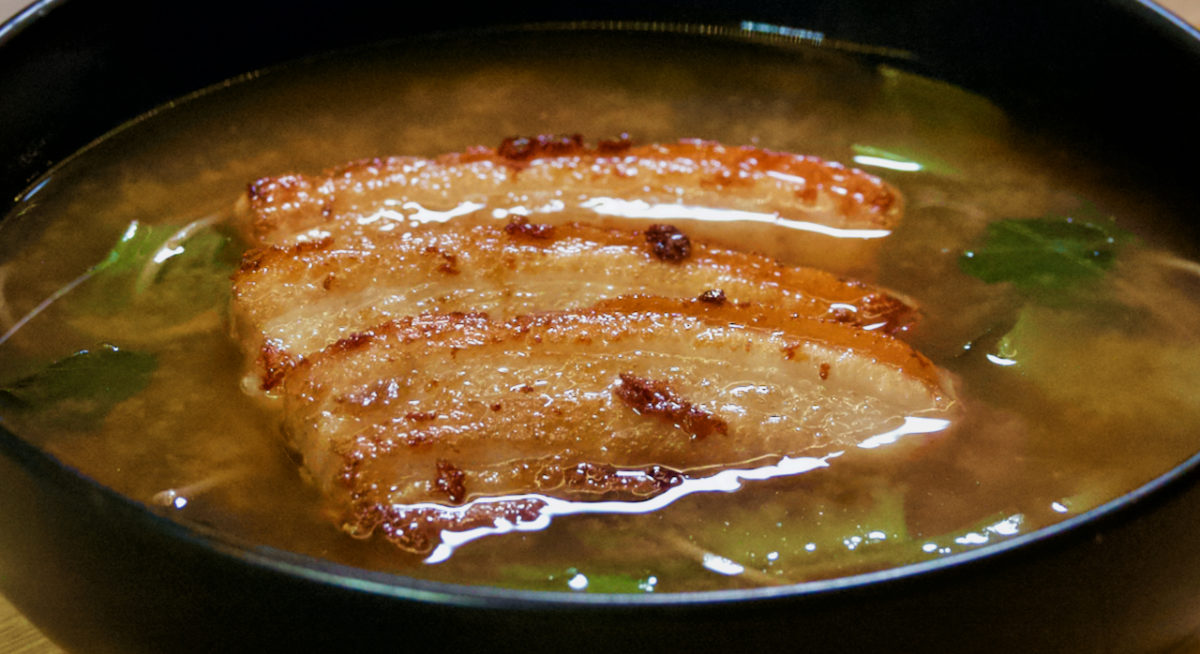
x=18, y=636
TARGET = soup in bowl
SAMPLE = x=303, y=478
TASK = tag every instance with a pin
x=182, y=443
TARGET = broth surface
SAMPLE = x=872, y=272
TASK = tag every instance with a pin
x=1051, y=427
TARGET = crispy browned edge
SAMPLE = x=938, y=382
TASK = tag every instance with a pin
x=867, y=199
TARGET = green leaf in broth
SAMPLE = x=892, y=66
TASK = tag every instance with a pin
x=553, y=577
x=835, y=530
x=939, y=109
x=1085, y=365
x=157, y=276
x=195, y=279
x=607, y=583
x=901, y=159
x=79, y=390
x=880, y=518
x=990, y=530
x=812, y=534
x=137, y=244
x=1044, y=257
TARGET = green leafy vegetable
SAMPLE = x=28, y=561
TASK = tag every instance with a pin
x=551, y=577
x=843, y=530
x=161, y=267
x=939, y=109
x=81, y=389
x=137, y=244
x=156, y=277
x=1068, y=354
x=901, y=159
x=990, y=530
x=1044, y=256
x=606, y=583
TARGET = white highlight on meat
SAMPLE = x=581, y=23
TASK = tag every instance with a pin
x=642, y=209
x=725, y=481
x=912, y=425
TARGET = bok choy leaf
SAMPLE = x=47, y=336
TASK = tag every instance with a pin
x=79, y=390
x=169, y=271
x=1045, y=257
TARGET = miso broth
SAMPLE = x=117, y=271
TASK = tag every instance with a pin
x=1044, y=287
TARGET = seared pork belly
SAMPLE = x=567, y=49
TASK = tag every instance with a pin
x=841, y=213
x=624, y=399
x=291, y=301
x=455, y=344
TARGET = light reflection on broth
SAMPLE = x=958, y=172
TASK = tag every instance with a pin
x=1051, y=429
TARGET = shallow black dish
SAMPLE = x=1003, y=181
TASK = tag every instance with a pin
x=99, y=572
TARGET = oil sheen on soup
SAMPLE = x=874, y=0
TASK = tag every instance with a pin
x=1044, y=289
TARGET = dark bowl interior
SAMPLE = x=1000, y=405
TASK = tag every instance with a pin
x=99, y=572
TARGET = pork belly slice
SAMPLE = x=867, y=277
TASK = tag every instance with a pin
x=624, y=399
x=291, y=301
x=840, y=214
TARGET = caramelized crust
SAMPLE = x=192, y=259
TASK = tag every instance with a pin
x=456, y=343
x=290, y=301
x=623, y=399
x=561, y=176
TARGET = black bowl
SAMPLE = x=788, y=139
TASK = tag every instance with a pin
x=100, y=572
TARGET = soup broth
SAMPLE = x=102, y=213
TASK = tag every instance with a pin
x=1044, y=288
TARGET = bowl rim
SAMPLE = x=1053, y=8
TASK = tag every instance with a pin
x=24, y=17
